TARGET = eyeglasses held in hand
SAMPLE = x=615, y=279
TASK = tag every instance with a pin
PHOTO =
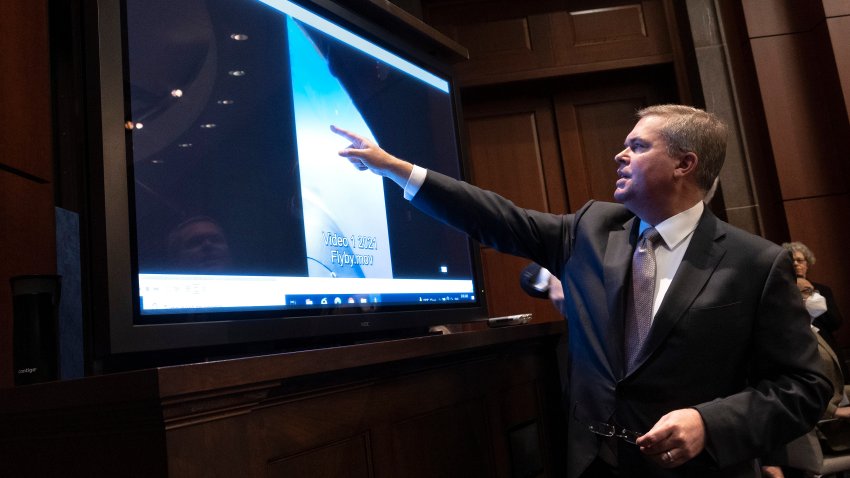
x=608, y=429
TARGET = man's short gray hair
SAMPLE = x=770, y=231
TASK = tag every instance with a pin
x=688, y=129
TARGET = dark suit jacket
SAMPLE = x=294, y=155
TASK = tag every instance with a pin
x=829, y=322
x=731, y=338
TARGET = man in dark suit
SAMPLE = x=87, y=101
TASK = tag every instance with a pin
x=727, y=369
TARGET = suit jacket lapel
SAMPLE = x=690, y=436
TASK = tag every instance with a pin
x=617, y=264
x=699, y=262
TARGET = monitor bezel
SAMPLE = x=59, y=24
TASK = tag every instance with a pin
x=112, y=285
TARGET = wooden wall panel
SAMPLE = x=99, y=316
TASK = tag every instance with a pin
x=777, y=17
x=839, y=35
x=501, y=37
x=509, y=154
x=602, y=25
x=522, y=450
x=444, y=12
x=834, y=8
x=626, y=32
x=518, y=43
x=592, y=133
x=804, y=140
x=525, y=40
x=348, y=458
x=195, y=447
x=25, y=119
x=423, y=449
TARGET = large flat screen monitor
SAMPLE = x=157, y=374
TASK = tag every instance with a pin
x=228, y=217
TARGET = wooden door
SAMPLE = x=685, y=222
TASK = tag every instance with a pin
x=513, y=150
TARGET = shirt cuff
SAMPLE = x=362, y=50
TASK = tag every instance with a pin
x=541, y=282
x=414, y=182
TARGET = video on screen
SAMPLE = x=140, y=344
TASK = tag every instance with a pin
x=241, y=201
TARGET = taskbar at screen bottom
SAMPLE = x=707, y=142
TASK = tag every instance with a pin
x=189, y=294
x=324, y=301
x=308, y=300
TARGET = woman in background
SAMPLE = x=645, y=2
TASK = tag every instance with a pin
x=820, y=303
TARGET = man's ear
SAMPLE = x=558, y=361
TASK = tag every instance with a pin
x=687, y=164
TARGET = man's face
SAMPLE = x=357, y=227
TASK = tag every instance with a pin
x=644, y=168
x=805, y=287
x=203, y=247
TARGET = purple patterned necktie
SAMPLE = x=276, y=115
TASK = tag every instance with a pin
x=639, y=320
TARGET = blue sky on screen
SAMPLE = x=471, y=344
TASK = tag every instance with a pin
x=339, y=201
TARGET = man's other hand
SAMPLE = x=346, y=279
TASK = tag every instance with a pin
x=675, y=439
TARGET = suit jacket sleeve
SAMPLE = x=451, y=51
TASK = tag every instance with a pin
x=497, y=222
x=829, y=362
x=787, y=391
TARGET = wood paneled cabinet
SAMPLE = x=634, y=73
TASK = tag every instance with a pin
x=510, y=41
x=471, y=404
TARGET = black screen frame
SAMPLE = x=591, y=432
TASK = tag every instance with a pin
x=118, y=342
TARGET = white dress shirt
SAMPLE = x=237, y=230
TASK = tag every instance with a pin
x=414, y=182
x=677, y=232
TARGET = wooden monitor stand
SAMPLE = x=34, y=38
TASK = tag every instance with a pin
x=480, y=403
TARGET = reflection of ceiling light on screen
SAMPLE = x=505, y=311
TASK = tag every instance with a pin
x=239, y=36
x=225, y=102
x=208, y=125
x=236, y=73
x=177, y=93
x=184, y=145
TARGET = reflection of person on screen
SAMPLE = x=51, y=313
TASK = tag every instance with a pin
x=199, y=245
